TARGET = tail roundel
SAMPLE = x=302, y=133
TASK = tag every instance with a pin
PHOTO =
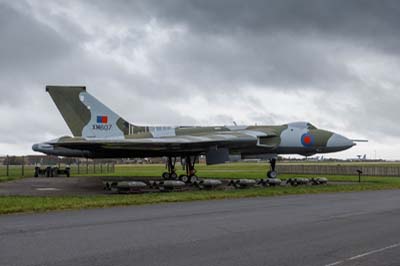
x=86, y=116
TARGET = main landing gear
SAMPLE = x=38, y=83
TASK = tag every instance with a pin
x=272, y=173
x=170, y=165
x=189, y=163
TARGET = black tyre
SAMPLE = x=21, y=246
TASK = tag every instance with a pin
x=165, y=175
x=272, y=174
x=194, y=178
x=48, y=171
x=173, y=176
x=54, y=172
x=184, y=178
x=37, y=169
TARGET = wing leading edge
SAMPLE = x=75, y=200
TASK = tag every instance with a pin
x=176, y=144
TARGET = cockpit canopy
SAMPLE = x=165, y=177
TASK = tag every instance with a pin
x=306, y=125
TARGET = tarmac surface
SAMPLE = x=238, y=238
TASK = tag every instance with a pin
x=360, y=228
x=57, y=186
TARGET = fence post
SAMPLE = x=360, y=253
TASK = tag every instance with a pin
x=7, y=166
x=101, y=167
x=79, y=162
x=94, y=166
x=87, y=165
x=23, y=166
x=108, y=170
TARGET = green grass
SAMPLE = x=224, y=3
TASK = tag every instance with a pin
x=333, y=163
x=15, y=172
x=9, y=178
x=229, y=170
x=15, y=204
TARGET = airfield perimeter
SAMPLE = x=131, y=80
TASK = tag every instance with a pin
x=326, y=229
x=318, y=227
x=44, y=194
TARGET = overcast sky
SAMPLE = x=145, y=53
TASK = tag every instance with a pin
x=333, y=63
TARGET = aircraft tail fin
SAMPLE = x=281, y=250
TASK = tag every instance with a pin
x=86, y=116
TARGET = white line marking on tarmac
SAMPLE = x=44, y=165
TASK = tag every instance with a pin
x=345, y=215
x=47, y=189
x=335, y=263
x=364, y=254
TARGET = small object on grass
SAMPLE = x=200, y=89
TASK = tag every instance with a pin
x=243, y=183
x=209, y=183
x=298, y=181
x=359, y=171
x=169, y=185
x=272, y=182
x=318, y=181
x=130, y=186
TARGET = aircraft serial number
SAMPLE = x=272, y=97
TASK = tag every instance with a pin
x=102, y=127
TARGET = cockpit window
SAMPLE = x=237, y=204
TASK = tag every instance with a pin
x=306, y=125
x=310, y=126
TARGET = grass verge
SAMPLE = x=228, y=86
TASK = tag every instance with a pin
x=9, y=178
x=17, y=204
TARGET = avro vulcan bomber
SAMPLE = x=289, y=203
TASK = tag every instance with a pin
x=98, y=132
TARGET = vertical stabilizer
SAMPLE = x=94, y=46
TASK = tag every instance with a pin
x=86, y=116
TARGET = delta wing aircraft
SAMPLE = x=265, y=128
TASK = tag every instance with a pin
x=98, y=132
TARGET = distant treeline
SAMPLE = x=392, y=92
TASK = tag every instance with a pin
x=53, y=160
x=20, y=160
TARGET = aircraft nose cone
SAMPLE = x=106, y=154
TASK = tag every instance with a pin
x=339, y=141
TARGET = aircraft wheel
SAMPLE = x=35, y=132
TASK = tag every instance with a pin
x=173, y=176
x=37, y=169
x=48, y=171
x=165, y=176
x=272, y=174
x=54, y=172
x=184, y=178
x=194, y=178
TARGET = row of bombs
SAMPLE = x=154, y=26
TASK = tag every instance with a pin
x=169, y=185
x=272, y=182
x=164, y=185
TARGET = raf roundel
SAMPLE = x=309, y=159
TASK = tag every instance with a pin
x=307, y=140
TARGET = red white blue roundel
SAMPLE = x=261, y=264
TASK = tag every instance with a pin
x=307, y=140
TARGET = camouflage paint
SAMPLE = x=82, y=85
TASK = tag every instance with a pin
x=74, y=112
x=99, y=132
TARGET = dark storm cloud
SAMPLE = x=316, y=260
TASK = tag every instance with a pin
x=287, y=44
x=25, y=43
x=369, y=20
x=154, y=55
x=27, y=48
